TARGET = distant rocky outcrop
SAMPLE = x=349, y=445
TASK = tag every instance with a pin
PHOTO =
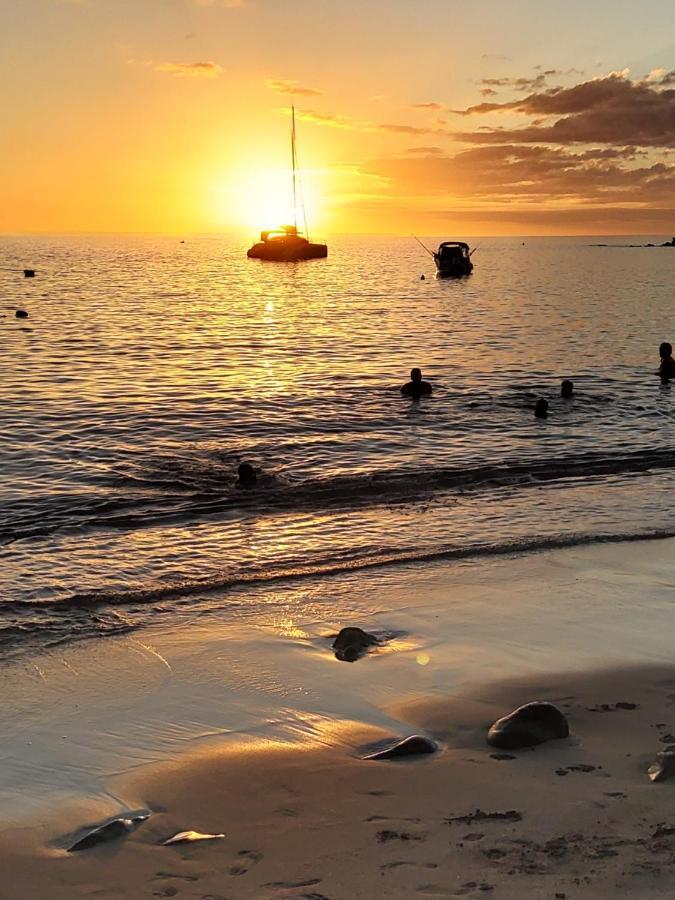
x=531, y=724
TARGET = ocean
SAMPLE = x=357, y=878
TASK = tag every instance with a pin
x=150, y=366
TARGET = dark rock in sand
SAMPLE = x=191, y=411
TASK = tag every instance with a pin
x=414, y=745
x=109, y=831
x=352, y=643
x=21, y=314
x=528, y=725
x=664, y=767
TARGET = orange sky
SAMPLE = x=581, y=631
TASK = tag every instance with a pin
x=436, y=116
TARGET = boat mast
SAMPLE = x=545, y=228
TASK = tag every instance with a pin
x=294, y=162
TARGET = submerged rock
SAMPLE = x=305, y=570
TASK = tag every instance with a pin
x=351, y=643
x=664, y=767
x=413, y=745
x=109, y=831
x=185, y=837
x=533, y=723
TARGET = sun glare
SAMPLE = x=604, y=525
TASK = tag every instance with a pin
x=264, y=199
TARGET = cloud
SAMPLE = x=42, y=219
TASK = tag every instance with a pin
x=424, y=151
x=337, y=120
x=191, y=70
x=608, y=110
x=432, y=105
x=531, y=175
x=331, y=120
x=406, y=129
x=284, y=86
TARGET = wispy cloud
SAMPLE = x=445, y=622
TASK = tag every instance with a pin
x=431, y=105
x=285, y=86
x=190, y=70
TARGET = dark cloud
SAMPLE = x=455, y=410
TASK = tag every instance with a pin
x=531, y=174
x=610, y=110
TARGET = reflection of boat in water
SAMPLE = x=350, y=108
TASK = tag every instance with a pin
x=453, y=258
x=287, y=243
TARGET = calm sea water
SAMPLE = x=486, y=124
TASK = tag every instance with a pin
x=149, y=368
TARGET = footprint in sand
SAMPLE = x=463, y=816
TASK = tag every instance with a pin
x=248, y=858
x=470, y=887
x=398, y=863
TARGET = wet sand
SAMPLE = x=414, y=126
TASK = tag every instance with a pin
x=577, y=817
x=303, y=815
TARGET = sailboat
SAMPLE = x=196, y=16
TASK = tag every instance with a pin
x=288, y=243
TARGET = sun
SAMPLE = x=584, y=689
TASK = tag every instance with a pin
x=264, y=199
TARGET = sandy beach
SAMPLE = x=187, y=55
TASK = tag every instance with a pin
x=303, y=815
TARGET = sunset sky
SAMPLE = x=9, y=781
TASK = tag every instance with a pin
x=490, y=117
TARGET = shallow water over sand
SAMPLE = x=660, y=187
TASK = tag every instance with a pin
x=148, y=368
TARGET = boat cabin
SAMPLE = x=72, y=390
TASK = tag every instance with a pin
x=453, y=252
x=453, y=258
x=281, y=234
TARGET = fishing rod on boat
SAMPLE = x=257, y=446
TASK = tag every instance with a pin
x=430, y=252
x=473, y=251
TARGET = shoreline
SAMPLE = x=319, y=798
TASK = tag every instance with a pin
x=256, y=731
x=576, y=816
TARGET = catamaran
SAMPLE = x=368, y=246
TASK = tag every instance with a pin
x=288, y=243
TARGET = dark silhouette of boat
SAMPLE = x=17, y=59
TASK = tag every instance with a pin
x=453, y=258
x=288, y=243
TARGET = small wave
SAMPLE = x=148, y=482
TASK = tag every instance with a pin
x=344, y=491
x=229, y=580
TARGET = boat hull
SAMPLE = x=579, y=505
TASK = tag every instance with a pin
x=280, y=251
x=455, y=270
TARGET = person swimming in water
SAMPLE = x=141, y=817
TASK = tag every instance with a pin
x=416, y=387
x=541, y=408
x=567, y=389
x=667, y=367
x=247, y=476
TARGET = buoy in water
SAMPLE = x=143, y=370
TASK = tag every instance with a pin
x=423, y=277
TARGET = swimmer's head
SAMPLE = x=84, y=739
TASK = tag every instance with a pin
x=415, y=374
x=247, y=475
x=541, y=408
x=567, y=388
x=665, y=350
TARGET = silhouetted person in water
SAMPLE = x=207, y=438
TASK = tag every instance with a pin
x=667, y=367
x=416, y=387
x=541, y=408
x=247, y=476
x=567, y=389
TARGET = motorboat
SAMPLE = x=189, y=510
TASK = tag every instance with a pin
x=453, y=258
